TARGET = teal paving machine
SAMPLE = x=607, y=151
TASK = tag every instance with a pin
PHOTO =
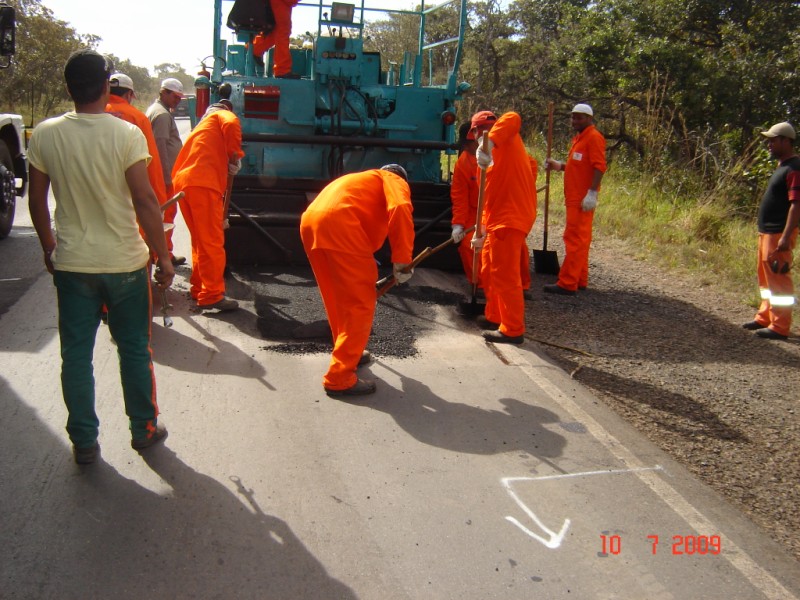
x=345, y=108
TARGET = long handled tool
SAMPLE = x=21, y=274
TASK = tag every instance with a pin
x=474, y=308
x=226, y=202
x=172, y=201
x=385, y=284
x=544, y=260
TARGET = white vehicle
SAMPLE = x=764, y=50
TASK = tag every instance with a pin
x=13, y=161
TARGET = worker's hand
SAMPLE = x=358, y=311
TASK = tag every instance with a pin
x=477, y=241
x=234, y=167
x=552, y=164
x=457, y=233
x=484, y=158
x=590, y=201
x=164, y=274
x=399, y=276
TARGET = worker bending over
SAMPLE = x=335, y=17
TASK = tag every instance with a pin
x=508, y=216
x=341, y=230
x=211, y=154
x=583, y=172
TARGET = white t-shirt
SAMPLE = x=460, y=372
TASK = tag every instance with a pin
x=86, y=157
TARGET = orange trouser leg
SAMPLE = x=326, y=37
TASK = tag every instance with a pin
x=466, y=253
x=279, y=37
x=577, y=239
x=777, y=289
x=502, y=283
x=525, y=267
x=347, y=286
x=169, y=217
x=202, y=210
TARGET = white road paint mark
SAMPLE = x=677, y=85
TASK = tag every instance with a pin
x=737, y=557
x=10, y=279
x=551, y=539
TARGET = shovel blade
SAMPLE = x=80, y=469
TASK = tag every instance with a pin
x=545, y=262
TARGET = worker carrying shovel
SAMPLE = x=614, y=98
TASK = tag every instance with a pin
x=341, y=230
x=508, y=216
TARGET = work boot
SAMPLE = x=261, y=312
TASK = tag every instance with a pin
x=498, y=337
x=485, y=323
x=87, y=455
x=365, y=359
x=157, y=436
x=753, y=325
x=221, y=305
x=177, y=261
x=771, y=334
x=554, y=288
x=362, y=387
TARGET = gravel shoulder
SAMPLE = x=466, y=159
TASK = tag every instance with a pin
x=666, y=351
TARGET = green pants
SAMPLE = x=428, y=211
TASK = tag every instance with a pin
x=81, y=297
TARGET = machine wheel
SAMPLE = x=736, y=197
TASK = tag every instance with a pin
x=8, y=193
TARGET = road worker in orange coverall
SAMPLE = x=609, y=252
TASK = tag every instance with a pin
x=583, y=172
x=464, y=196
x=508, y=216
x=211, y=154
x=278, y=37
x=341, y=230
x=119, y=105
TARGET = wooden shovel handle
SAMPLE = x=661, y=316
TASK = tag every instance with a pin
x=479, y=215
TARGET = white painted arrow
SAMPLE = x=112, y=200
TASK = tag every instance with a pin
x=550, y=539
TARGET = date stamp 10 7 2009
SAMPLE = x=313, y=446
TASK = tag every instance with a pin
x=680, y=545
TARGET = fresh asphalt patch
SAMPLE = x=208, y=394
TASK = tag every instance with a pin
x=292, y=317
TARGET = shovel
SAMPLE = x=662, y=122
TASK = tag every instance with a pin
x=473, y=307
x=546, y=261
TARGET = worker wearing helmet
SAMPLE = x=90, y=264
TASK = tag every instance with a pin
x=168, y=140
x=212, y=151
x=119, y=105
x=341, y=229
x=508, y=216
x=583, y=172
x=464, y=196
x=278, y=37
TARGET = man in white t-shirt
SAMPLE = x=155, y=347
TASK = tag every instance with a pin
x=97, y=165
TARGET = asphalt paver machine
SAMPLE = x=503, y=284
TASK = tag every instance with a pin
x=344, y=108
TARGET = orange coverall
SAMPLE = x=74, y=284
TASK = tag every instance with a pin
x=120, y=108
x=588, y=152
x=508, y=215
x=201, y=171
x=278, y=37
x=341, y=230
x=464, y=196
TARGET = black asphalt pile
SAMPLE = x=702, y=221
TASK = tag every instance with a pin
x=292, y=317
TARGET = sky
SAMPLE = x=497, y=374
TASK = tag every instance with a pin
x=151, y=32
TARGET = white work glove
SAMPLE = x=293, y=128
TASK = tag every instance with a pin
x=233, y=168
x=457, y=233
x=477, y=241
x=399, y=276
x=484, y=158
x=590, y=201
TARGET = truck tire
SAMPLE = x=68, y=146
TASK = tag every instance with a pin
x=8, y=193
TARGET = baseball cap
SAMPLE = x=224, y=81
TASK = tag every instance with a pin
x=122, y=81
x=173, y=85
x=780, y=129
x=87, y=67
x=583, y=109
x=396, y=169
x=484, y=117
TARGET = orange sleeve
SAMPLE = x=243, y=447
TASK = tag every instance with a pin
x=464, y=190
x=232, y=132
x=401, y=223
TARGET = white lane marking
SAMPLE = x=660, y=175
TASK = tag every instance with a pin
x=737, y=557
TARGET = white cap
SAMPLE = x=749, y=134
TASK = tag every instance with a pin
x=780, y=129
x=122, y=81
x=584, y=109
x=173, y=85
